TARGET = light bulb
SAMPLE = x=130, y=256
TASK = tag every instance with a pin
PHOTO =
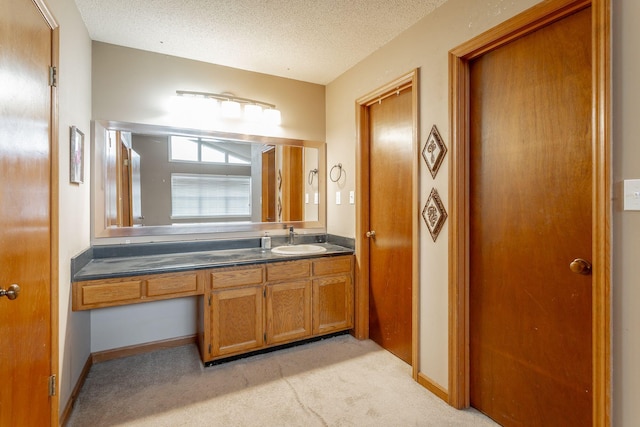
x=252, y=112
x=272, y=116
x=230, y=109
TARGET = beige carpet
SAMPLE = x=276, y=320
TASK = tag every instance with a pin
x=335, y=382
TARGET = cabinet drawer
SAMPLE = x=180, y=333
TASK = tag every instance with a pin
x=288, y=270
x=172, y=284
x=111, y=292
x=224, y=278
x=333, y=265
x=134, y=290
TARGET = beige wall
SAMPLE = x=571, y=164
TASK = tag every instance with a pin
x=136, y=86
x=74, y=95
x=424, y=46
x=626, y=225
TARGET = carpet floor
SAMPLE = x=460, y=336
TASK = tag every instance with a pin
x=339, y=381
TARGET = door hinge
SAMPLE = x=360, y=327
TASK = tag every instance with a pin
x=126, y=162
x=53, y=76
x=52, y=385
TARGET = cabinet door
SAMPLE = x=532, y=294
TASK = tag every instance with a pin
x=288, y=311
x=332, y=304
x=236, y=320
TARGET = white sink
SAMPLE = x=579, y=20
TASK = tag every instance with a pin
x=298, y=250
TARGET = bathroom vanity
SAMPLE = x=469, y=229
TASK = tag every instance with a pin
x=249, y=299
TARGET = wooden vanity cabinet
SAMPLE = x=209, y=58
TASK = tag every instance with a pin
x=254, y=307
x=137, y=289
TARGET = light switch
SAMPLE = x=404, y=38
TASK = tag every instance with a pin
x=316, y=198
x=338, y=198
x=632, y=194
x=352, y=197
x=306, y=198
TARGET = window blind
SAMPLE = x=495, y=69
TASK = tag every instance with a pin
x=199, y=195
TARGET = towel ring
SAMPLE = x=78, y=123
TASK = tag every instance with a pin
x=312, y=172
x=339, y=166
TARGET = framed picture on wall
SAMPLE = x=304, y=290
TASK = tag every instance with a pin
x=76, y=159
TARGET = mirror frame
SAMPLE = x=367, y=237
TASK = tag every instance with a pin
x=254, y=228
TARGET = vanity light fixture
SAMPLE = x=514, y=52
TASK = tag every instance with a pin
x=235, y=107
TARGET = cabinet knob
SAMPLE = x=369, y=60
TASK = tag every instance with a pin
x=371, y=234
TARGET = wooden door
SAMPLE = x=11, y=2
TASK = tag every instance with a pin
x=530, y=217
x=25, y=215
x=390, y=216
x=112, y=217
x=292, y=184
x=124, y=194
x=269, y=185
x=136, y=188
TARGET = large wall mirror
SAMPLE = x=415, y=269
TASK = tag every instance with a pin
x=154, y=180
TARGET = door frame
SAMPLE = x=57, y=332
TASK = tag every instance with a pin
x=54, y=210
x=459, y=59
x=361, y=323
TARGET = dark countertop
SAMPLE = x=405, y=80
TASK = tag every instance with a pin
x=104, y=268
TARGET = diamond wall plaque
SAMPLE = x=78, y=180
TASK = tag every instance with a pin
x=434, y=151
x=434, y=214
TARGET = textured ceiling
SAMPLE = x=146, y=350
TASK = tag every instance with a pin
x=309, y=40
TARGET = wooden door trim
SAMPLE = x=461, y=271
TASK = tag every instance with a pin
x=459, y=58
x=54, y=206
x=361, y=324
x=55, y=231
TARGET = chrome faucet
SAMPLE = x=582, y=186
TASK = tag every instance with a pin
x=291, y=236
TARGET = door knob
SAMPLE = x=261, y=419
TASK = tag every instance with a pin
x=370, y=234
x=11, y=293
x=580, y=266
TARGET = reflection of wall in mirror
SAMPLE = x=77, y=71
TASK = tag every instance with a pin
x=311, y=185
